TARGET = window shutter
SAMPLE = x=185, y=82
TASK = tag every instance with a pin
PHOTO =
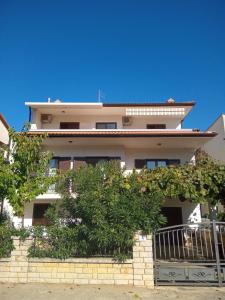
x=140, y=163
x=156, y=126
x=79, y=164
x=69, y=125
x=64, y=163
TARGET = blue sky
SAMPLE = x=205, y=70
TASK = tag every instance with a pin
x=134, y=50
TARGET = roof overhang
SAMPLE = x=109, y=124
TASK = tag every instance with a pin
x=145, y=139
x=173, y=109
x=123, y=133
x=64, y=104
x=4, y=122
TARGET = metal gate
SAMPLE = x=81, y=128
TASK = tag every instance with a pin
x=190, y=254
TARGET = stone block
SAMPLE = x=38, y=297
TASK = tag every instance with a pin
x=144, y=254
x=123, y=276
x=84, y=276
x=45, y=275
x=139, y=283
x=139, y=260
x=139, y=265
x=121, y=281
x=137, y=277
x=105, y=276
x=139, y=271
x=80, y=281
x=88, y=270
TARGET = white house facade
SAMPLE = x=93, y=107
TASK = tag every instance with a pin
x=4, y=135
x=216, y=146
x=137, y=134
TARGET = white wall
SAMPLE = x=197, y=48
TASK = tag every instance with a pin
x=216, y=146
x=191, y=212
x=4, y=136
x=89, y=121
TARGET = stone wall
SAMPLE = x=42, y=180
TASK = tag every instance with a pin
x=137, y=271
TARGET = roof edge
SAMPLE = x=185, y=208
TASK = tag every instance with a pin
x=125, y=134
x=4, y=122
x=192, y=103
x=214, y=122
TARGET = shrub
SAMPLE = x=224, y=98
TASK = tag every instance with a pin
x=101, y=216
x=6, y=242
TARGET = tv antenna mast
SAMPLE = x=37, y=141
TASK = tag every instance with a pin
x=100, y=96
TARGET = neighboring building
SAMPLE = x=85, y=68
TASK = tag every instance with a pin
x=4, y=135
x=216, y=146
x=137, y=134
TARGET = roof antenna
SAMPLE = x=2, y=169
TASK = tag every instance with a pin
x=100, y=96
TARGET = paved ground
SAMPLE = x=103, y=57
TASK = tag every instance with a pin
x=75, y=292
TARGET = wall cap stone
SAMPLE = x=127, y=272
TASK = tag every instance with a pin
x=5, y=259
x=89, y=260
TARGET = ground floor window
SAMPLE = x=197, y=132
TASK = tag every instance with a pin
x=39, y=211
x=153, y=163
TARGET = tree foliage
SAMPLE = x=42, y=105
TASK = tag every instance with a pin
x=202, y=182
x=24, y=178
x=6, y=176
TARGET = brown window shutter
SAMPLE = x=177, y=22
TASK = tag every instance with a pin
x=140, y=163
x=77, y=164
x=64, y=164
x=156, y=126
x=69, y=125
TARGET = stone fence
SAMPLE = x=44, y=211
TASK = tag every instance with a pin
x=137, y=271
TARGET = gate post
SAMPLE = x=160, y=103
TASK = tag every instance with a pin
x=217, y=253
x=143, y=261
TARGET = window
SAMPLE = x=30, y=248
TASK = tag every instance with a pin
x=156, y=126
x=106, y=125
x=69, y=125
x=61, y=163
x=39, y=211
x=153, y=163
x=82, y=161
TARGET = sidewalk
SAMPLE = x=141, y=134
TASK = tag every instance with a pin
x=71, y=292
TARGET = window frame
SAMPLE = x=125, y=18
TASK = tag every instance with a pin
x=101, y=123
x=144, y=161
x=76, y=123
x=157, y=126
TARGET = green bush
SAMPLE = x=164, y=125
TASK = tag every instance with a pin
x=6, y=242
x=101, y=216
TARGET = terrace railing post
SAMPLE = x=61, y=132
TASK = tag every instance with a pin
x=217, y=252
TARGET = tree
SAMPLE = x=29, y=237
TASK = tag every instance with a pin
x=27, y=169
x=102, y=214
x=5, y=179
x=203, y=182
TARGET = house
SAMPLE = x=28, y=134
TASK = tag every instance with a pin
x=4, y=136
x=136, y=134
x=216, y=146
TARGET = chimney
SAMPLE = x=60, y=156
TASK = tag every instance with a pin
x=170, y=100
